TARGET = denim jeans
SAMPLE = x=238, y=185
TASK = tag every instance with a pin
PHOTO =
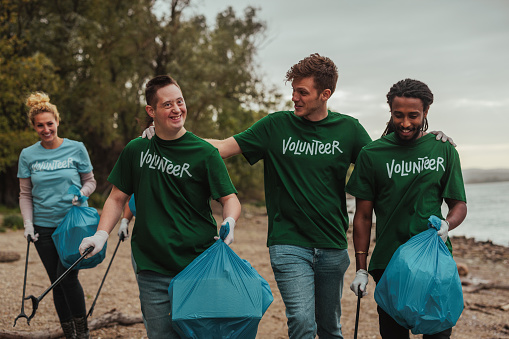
x=156, y=305
x=68, y=295
x=310, y=281
x=390, y=329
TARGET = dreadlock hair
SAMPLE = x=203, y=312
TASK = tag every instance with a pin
x=409, y=88
x=322, y=69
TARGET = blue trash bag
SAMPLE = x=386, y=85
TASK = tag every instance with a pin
x=78, y=223
x=421, y=287
x=132, y=205
x=218, y=295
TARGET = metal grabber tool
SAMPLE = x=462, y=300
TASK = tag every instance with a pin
x=120, y=239
x=22, y=314
x=359, y=296
x=36, y=301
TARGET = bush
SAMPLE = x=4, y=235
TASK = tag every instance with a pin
x=13, y=221
x=96, y=200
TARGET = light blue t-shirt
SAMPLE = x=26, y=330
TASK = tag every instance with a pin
x=52, y=172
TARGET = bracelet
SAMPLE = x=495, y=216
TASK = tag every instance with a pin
x=361, y=252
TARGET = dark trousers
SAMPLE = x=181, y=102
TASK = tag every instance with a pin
x=390, y=329
x=68, y=295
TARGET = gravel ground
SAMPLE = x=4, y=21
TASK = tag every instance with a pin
x=484, y=315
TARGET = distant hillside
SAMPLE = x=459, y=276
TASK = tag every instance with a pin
x=476, y=175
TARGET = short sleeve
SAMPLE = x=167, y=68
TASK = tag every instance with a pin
x=121, y=174
x=361, y=183
x=23, y=167
x=84, y=165
x=454, y=187
x=361, y=139
x=218, y=177
x=254, y=142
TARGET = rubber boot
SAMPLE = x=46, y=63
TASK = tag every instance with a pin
x=81, y=328
x=68, y=328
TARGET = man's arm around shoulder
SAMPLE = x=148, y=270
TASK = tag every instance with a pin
x=227, y=147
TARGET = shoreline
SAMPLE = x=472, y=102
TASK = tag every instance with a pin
x=485, y=287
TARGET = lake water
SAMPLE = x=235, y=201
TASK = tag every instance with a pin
x=488, y=213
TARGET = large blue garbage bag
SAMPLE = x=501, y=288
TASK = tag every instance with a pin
x=132, y=205
x=421, y=287
x=78, y=223
x=218, y=295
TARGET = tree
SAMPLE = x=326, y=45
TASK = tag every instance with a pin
x=20, y=73
x=94, y=57
x=216, y=69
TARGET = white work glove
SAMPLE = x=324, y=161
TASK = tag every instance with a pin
x=229, y=238
x=29, y=230
x=149, y=132
x=444, y=230
x=96, y=241
x=361, y=279
x=124, y=228
x=75, y=200
x=445, y=138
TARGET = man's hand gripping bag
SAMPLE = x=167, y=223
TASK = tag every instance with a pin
x=218, y=295
x=78, y=223
x=420, y=287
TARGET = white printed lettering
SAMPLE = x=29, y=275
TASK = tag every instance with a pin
x=164, y=165
x=314, y=147
x=414, y=167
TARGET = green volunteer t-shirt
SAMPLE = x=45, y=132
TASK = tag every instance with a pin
x=173, y=182
x=305, y=166
x=407, y=184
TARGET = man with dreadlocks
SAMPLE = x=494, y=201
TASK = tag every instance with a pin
x=404, y=177
x=306, y=154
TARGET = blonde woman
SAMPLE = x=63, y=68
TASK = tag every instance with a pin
x=46, y=170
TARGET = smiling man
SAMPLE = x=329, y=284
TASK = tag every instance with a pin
x=306, y=154
x=173, y=177
x=404, y=177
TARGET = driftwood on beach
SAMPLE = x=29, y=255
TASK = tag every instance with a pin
x=105, y=320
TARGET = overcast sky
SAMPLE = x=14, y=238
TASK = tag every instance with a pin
x=460, y=48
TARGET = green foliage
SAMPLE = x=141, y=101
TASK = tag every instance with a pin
x=9, y=210
x=94, y=57
x=96, y=200
x=12, y=143
x=13, y=221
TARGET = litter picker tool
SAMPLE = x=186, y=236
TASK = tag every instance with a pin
x=22, y=314
x=359, y=296
x=36, y=301
x=120, y=239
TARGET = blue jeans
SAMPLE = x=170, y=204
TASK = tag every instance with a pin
x=310, y=281
x=156, y=305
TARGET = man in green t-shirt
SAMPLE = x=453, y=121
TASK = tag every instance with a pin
x=173, y=177
x=404, y=177
x=306, y=155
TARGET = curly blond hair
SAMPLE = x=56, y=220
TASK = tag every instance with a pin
x=39, y=103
